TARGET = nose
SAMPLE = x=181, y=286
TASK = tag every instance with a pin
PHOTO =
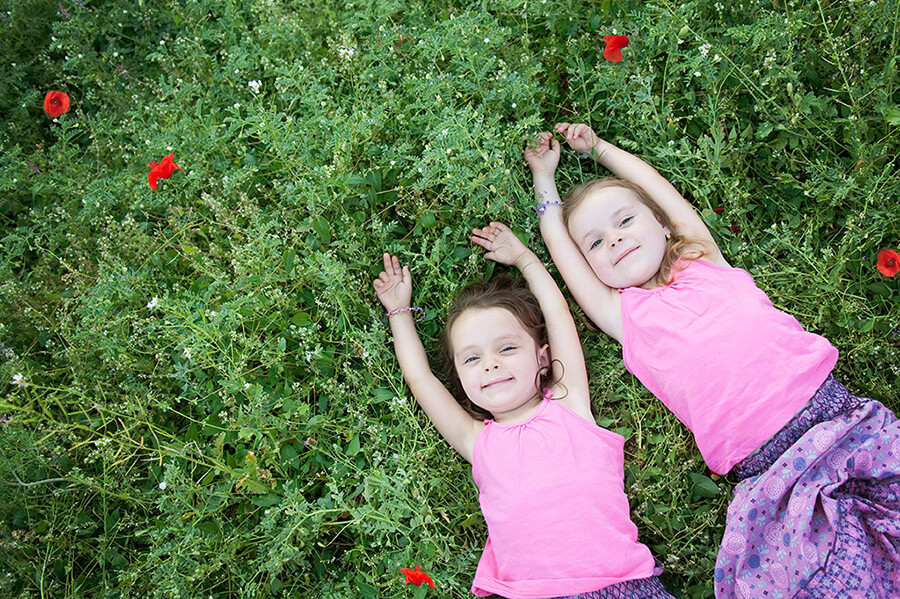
x=491, y=364
x=615, y=241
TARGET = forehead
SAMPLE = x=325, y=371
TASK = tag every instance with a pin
x=481, y=326
x=607, y=201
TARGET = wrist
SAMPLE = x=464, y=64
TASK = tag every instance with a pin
x=598, y=149
x=545, y=177
x=419, y=317
x=525, y=260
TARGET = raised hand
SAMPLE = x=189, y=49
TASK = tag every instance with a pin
x=542, y=155
x=502, y=245
x=579, y=136
x=394, y=285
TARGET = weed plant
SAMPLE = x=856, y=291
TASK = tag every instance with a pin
x=198, y=390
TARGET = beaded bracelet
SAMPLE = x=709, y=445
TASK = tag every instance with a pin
x=543, y=205
x=421, y=312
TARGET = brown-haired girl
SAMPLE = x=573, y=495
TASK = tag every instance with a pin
x=550, y=481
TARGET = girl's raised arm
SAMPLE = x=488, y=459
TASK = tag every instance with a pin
x=631, y=168
x=569, y=372
x=394, y=289
x=599, y=302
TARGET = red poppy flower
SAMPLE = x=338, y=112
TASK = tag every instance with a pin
x=718, y=210
x=734, y=228
x=163, y=169
x=614, y=45
x=888, y=263
x=417, y=577
x=56, y=103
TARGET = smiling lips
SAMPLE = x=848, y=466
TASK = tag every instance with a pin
x=625, y=253
x=497, y=382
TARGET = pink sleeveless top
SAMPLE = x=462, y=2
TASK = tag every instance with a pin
x=722, y=358
x=552, y=493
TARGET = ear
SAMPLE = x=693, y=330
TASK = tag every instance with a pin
x=544, y=356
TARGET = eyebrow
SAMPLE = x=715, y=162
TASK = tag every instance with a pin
x=502, y=339
x=613, y=216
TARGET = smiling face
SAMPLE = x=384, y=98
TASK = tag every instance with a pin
x=620, y=237
x=498, y=362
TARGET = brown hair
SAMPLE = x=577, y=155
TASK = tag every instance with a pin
x=678, y=246
x=500, y=292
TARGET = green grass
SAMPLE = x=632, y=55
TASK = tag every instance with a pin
x=249, y=433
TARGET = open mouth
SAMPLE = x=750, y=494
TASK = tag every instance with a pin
x=625, y=254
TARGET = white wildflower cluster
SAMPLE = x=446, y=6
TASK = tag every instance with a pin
x=704, y=50
x=254, y=85
x=153, y=303
x=346, y=52
x=769, y=60
x=19, y=380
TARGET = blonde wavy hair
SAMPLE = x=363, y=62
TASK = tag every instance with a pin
x=678, y=247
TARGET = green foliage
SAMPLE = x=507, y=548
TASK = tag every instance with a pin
x=203, y=395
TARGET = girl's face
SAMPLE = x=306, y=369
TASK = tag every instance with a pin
x=619, y=237
x=498, y=361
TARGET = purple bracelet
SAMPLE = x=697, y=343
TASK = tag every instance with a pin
x=543, y=206
x=420, y=311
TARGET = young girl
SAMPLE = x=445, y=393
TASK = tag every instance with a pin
x=550, y=481
x=817, y=512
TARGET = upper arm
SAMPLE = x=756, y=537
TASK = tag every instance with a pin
x=454, y=424
x=600, y=303
x=686, y=220
x=568, y=369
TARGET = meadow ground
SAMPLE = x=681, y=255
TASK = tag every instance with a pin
x=198, y=393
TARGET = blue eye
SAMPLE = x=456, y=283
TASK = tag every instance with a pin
x=470, y=359
x=596, y=244
x=626, y=220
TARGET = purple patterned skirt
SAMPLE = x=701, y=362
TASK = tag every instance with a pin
x=817, y=511
x=643, y=588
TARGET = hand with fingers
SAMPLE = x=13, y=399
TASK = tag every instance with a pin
x=542, y=155
x=394, y=285
x=579, y=136
x=502, y=245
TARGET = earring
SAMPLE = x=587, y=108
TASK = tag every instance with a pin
x=668, y=236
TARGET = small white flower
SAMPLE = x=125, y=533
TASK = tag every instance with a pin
x=162, y=486
x=254, y=85
x=696, y=73
x=153, y=303
x=186, y=352
x=19, y=380
x=246, y=385
x=487, y=40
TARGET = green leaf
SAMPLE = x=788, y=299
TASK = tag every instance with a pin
x=289, y=256
x=382, y=395
x=353, y=447
x=703, y=486
x=266, y=500
x=893, y=115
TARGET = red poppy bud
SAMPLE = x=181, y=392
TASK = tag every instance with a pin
x=734, y=228
x=614, y=45
x=56, y=103
x=417, y=577
x=164, y=169
x=888, y=263
x=718, y=210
